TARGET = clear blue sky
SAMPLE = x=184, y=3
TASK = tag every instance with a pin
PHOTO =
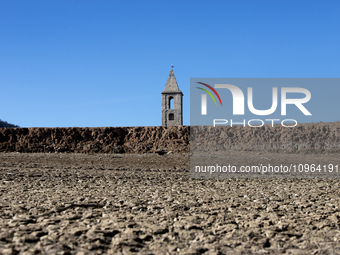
x=105, y=63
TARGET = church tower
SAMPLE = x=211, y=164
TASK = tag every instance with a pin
x=172, y=104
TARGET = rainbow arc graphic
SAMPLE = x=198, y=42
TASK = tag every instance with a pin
x=209, y=93
x=204, y=97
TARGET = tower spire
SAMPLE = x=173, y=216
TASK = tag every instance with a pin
x=171, y=84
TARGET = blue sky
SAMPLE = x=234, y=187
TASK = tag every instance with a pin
x=105, y=63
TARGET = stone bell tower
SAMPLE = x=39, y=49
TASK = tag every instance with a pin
x=172, y=103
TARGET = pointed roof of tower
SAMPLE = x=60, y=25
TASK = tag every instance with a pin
x=171, y=84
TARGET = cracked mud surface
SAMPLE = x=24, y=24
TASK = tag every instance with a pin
x=120, y=204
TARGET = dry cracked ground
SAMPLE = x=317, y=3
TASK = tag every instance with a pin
x=147, y=204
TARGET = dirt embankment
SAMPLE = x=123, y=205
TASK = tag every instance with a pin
x=311, y=137
x=318, y=137
x=97, y=140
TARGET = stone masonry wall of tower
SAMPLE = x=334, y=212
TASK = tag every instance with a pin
x=172, y=96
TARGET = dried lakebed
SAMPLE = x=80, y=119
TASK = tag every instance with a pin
x=120, y=204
